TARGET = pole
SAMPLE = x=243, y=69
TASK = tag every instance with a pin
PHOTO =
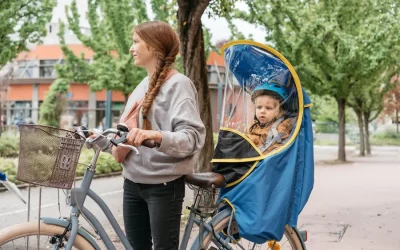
x=108, y=110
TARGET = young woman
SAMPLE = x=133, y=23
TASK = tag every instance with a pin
x=168, y=113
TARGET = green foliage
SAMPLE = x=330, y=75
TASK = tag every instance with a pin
x=54, y=102
x=9, y=167
x=324, y=110
x=105, y=163
x=390, y=133
x=9, y=145
x=22, y=21
x=220, y=7
x=332, y=45
x=112, y=66
x=165, y=10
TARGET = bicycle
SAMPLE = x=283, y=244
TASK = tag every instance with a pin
x=216, y=227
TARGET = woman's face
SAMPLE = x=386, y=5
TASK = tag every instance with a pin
x=141, y=52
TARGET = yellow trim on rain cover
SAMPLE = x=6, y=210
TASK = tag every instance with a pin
x=308, y=105
x=230, y=204
x=244, y=176
x=298, y=88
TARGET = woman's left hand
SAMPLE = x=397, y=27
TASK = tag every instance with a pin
x=136, y=136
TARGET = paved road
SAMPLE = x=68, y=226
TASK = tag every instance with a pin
x=353, y=206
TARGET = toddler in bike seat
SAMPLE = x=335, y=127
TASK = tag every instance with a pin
x=272, y=125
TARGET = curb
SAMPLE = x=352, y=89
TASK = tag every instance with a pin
x=25, y=185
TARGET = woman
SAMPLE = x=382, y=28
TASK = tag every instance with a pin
x=154, y=187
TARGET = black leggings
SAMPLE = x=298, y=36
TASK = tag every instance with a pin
x=152, y=213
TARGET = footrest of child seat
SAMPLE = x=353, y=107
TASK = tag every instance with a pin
x=206, y=180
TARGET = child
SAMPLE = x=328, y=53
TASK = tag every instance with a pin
x=271, y=128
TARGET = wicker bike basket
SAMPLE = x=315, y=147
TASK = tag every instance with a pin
x=48, y=156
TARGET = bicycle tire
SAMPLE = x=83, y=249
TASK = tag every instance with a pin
x=30, y=229
x=290, y=233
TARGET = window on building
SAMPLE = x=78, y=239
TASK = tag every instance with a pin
x=24, y=69
x=46, y=68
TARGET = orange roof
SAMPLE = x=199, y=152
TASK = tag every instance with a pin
x=214, y=56
x=49, y=52
x=54, y=52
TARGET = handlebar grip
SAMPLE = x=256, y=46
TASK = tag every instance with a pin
x=150, y=144
x=146, y=143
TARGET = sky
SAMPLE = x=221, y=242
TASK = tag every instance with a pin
x=220, y=31
x=218, y=26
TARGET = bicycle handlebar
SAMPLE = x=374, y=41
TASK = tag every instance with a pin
x=122, y=131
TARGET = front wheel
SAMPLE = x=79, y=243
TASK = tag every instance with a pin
x=290, y=240
x=24, y=236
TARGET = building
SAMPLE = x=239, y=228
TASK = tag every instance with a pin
x=35, y=71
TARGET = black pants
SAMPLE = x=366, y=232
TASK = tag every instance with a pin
x=152, y=213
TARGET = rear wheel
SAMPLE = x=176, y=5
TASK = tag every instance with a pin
x=290, y=240
x=25, y=236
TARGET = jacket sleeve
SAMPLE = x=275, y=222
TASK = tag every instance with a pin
x=188, y=133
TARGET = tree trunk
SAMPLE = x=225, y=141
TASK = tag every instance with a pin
x=366, y=128
x=194, y=65
x=126, y=97
x=361, y=129
x=342, y=129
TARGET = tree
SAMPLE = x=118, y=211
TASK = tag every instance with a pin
x=22, y=22
x=53, y=104
x=333, y=44
x=112, y=66
x=191, y=35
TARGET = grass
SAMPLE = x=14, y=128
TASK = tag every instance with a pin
x=385, y=141
x=330, y=143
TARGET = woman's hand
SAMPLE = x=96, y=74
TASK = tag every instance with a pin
x=137, y=136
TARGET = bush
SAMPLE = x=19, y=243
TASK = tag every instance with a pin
x=327, y=127
x=9, y=167
x=105, y=163
x=9, y=145
x=390, y=133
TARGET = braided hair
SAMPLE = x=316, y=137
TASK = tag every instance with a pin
x=164, y=43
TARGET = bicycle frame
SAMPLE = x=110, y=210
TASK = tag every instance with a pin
x=78, y=197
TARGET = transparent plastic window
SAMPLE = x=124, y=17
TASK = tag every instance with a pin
x=260, y=98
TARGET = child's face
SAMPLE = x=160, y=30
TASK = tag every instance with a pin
x=267, y=108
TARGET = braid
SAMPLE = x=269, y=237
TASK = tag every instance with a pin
x=164, y=65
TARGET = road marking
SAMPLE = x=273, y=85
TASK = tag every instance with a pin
x=26, y=210
x=53, y=204
x=113, y=192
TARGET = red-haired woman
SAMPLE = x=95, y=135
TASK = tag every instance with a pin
x=154, y=187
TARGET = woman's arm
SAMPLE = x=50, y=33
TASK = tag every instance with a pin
x=120, y=153
x=188, y=131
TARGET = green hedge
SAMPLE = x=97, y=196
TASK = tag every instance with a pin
x=9, y=145
x=390, y=133
x=8, y=166
x=105, y=164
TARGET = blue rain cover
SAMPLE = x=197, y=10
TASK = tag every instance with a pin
x=275, y=193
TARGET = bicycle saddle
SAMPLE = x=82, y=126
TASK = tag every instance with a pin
x=206, y=180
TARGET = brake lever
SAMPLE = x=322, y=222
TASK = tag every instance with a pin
x=120, y=140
